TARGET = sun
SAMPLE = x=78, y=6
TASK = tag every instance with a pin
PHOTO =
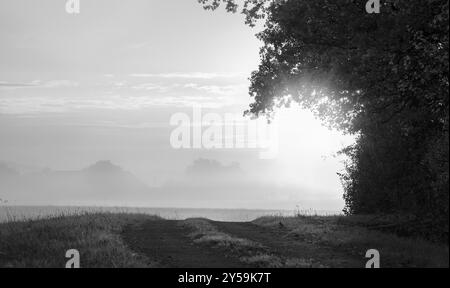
x=307, y=149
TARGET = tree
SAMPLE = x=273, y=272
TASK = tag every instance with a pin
x=382, y=77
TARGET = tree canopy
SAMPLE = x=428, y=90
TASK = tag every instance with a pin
x=382, y=77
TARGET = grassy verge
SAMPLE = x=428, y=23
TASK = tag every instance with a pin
x=43, y=243
x=352, y=236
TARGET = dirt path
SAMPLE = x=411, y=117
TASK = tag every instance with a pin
x=167, y=242
x=281, y=243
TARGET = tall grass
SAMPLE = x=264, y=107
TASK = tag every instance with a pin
x=43, y=242
x=351, y=235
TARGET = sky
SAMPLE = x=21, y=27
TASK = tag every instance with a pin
x=104, y=84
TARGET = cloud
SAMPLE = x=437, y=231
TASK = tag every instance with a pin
x=13, y=85
x=192, y=75
x=218, y=89
x=121, y=94
x=58, y=84
x=224, y=90
x=30, y=105
x=38, y=84
x=50, y=104
x=150, y=87
x=190, y=85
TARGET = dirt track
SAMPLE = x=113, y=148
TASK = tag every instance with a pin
x=281, y=243
x=167, y=242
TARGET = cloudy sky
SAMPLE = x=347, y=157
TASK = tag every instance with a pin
x=104, y=84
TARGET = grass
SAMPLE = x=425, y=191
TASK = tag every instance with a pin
x=43, y=243
x=249, y=252
x=351, y=235
x=204, y=232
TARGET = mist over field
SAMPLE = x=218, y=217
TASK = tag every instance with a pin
x=205, y=184
x=91, y=124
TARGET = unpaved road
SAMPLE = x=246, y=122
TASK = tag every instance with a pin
x=168, y=243
x=282, y=243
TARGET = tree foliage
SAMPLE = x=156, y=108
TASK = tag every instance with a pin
x=382, y=77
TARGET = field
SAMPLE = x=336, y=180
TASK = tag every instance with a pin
x=138, y=240
x=43, y=243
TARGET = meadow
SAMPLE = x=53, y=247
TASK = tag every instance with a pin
x=354, y=235
x=127, y=240
x=43, y=243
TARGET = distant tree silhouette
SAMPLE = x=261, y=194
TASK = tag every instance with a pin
x=382, y=77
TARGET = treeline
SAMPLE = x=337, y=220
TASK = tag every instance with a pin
x=382, y=77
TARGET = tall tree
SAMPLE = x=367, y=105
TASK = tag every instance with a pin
x=382, y=77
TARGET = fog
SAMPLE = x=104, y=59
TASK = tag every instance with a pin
x=86, y=103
